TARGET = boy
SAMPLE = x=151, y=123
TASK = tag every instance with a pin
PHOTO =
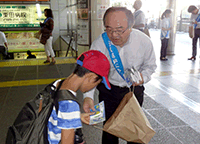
x=92, y=68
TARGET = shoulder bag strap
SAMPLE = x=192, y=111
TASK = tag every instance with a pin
x=47, y=19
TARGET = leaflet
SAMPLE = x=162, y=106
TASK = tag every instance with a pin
x=99, y=115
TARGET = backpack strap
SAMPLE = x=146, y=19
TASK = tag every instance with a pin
x=66, y=95
x=50, y=88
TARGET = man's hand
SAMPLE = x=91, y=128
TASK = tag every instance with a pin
x=141, y=82
x=194, y=22
x=85, y=117
x=88, y=104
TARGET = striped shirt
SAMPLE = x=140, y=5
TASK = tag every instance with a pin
x=68, y=117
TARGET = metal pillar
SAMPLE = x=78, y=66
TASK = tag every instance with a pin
x=98, y=8
x=171, y=4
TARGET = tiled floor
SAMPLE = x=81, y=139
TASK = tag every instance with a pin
x=172, y=97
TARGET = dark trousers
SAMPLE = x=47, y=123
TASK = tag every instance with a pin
x=164, y=45
x=3, y=51
x=142, y=30
x=111, y=99
x=194, y=42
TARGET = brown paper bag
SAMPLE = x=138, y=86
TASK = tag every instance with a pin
x=129, y=122
x=146, y=31
x=191, y=31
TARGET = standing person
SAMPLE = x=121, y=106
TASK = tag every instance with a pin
x=195, y=20
x=92, y=68
x=165, y=33
x=139, y=16
x=3, y=45
x=134, y=49
x=47, y=38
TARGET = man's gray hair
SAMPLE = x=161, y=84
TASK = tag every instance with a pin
x=138, y=3
x=129, y=14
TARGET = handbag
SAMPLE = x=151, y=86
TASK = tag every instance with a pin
x=129, y=121
x=146, y=31
x=191, y=31
x=37, y=35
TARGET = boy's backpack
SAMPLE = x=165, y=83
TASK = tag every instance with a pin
x=30, y=126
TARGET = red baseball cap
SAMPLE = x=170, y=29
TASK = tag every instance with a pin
x=96, y=62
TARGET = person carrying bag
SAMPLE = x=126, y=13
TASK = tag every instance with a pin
x=128, y=121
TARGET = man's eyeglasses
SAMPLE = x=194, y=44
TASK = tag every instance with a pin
x=118, y=31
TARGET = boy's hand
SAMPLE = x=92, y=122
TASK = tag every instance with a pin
x=85, y=117
x=88, y=104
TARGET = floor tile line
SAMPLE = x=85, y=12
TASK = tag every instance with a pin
x=37, y=76
x=25, y=62
x=27, y=82
x=165, y=128
x=176, y=95
x=6, y=96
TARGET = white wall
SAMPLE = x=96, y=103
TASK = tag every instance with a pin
x=62, y=14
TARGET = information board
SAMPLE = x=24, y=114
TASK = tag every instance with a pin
x=20, y=15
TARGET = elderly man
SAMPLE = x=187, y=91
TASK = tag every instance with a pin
x=139, y=16
x=195, y=20
x=134, y=49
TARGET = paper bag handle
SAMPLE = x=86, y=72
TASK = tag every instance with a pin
x=98, y=127
x=102, y=128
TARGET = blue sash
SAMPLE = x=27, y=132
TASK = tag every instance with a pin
x=198, y=20
x=114, y=55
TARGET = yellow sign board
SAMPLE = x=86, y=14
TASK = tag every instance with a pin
x=21, y=41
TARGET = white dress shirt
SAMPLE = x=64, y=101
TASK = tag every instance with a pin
x=139, y=18
x=165, y=23
x=137, y=51
x=2, y=39
x=193, y=19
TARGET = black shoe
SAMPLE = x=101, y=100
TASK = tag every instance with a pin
x=79, y=139
x=163, y=59
x=192, y=58
x=52, y=63
x=46, y=61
